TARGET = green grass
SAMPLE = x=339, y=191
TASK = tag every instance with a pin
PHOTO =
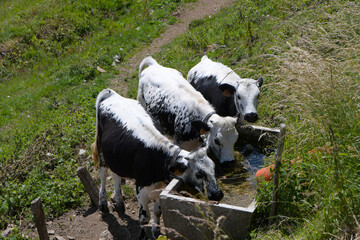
x=49, y=52
x=306, y=51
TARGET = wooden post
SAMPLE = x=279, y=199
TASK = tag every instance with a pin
x=277, y=170
x=37, y=209
x=89, y=184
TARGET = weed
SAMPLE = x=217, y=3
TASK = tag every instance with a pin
x=49, y=53
x=306, y=52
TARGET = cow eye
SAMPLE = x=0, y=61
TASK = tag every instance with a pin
x=238, y=97
x=216, y=141
x=200, y=175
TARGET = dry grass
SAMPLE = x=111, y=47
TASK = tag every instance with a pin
x=319, y=72
x=319, y=96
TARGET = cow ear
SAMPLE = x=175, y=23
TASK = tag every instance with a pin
x=259, y=82
x=227, y=89
x=200, y=127
x=179, y=166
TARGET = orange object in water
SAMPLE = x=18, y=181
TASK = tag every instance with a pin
x=265, y=173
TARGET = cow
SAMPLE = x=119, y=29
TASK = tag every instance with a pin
x=225, y=90
x=129, y=144
x=183, y=112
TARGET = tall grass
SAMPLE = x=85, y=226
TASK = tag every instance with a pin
x=307, y=53
x=319, y=85
x=49, y=54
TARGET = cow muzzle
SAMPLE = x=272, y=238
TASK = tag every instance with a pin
x=251, y=117
x=216, y=196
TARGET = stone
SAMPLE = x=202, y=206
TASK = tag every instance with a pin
x=59, y=238
x=101, y=70
x=106, y=234
x=82, y=152
x=8, y=230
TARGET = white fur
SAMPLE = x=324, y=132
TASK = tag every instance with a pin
x=156, y=81
x=133, y=116
x=159, y=78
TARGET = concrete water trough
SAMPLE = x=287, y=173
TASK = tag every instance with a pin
x=187, y=217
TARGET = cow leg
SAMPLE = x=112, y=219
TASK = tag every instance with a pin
x=155, y=229
x=102, y=193
x=143, y=200
x=119, y=200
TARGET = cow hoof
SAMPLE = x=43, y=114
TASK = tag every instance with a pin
x=103, y=208
x=142, y=235
x=120, y=208
x=228, y=164
x=155, y=230
x=123, y=181
x=144, y=220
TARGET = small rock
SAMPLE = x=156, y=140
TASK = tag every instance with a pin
x=51, y=232
x=49, y=154
x=59, y=238
x=8, y=230
x=70, y=238
x=82, y=152
x=106, y=234
x=101, y=70
x=133, y=211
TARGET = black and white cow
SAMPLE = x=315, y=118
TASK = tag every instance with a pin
x=182, y=111
x=128, y=143
x=225, y=90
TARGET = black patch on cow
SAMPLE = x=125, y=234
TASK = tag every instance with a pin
x=174, y=120
x=209, y=88
x=127, y=156
x=142, y=212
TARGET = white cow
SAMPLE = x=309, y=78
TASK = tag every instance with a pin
x=225, y=90
x=128, y=143
x=182, y=111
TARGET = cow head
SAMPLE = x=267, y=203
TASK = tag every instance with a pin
x=197, y=170
x=222, y=137
x=246, y=94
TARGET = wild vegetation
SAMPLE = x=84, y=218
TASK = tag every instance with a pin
x=49, y=54
x=306, y=51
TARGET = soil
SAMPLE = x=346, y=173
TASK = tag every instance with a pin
x=185, y=15
x=88, y=222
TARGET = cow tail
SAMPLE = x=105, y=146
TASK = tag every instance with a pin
x=148, y=61
x=104, y=94
x=95, y=153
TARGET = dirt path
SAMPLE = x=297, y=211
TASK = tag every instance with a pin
x=88, y=223
x=186, y=14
